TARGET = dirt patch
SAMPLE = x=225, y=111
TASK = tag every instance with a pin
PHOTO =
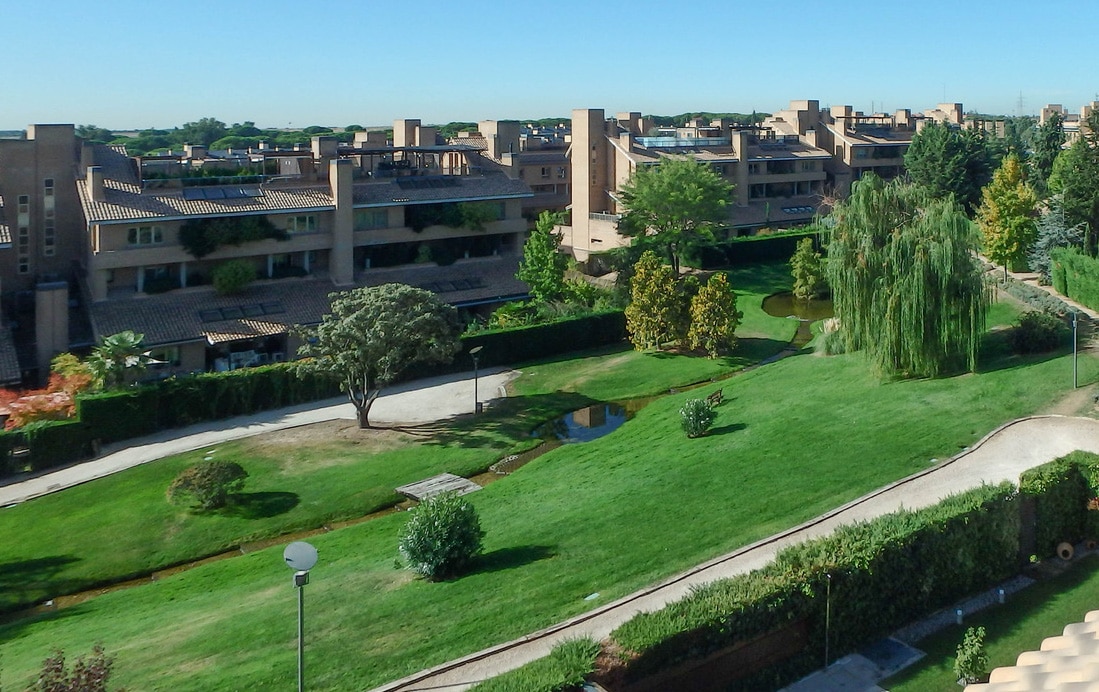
x=333, y=433
x=1078, y=402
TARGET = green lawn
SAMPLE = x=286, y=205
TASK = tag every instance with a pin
x=793, y=439
x=1019, y=625
x=304, y=484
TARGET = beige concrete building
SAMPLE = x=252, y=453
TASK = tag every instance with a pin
x=783, y=170
x=93, y=242
x=1073, y=124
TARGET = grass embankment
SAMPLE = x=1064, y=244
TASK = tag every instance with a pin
x=792, y=440
x=298, y=482
x=1019, y=625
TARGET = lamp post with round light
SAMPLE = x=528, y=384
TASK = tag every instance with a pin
x=300, y=557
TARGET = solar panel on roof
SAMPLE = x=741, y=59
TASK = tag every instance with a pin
x=272, y=308
x=215, y=193
x=252, y=310
x=232, y=313
x=251, y=192
x=192, y=194
x=209, y=315
x=234, y=193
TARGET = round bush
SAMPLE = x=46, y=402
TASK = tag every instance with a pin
x=207, y=485
x=233, y=276
x=1037, y=331
x=697, y=417
x=441, y=537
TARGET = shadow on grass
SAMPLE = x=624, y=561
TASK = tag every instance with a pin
x=751, y=350
x=260, y=505
x=997, y=353
x=13, y=624
x=726, y=429
x=25, y=582
x=511, y=558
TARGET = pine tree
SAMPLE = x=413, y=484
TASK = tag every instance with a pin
x=807, y=268
x=543, y=265
x=1006, y=217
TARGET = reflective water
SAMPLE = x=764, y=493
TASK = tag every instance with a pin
x=785, y=305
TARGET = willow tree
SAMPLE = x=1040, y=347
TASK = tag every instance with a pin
x=906, y=284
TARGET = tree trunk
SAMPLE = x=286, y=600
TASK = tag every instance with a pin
x=362, y=408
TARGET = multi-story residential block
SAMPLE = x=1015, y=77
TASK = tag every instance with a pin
x=783, y=170
x=536, y=156
x=137, y=240
x=1073, y=124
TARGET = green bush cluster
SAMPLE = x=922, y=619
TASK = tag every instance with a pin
x=883, y=573
x=752, y=249
x=1035, y=297
x=565, y=668
x=1076, y=276
x=1038, y=332
x=207, y=485
x=233, y=276
x=531, y=342
x=696, y=417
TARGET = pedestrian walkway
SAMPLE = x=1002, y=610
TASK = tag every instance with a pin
x=419, y=401
x=1000, y=456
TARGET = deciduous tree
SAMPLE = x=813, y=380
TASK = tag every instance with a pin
x=906, y=285
x=1007, y=216
x=376, y=333
x=543, y=265
x=673, y=205
x=714, y=317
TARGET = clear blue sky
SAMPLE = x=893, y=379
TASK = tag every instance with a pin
x=126, y=64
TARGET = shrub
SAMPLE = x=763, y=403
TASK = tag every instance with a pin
x=831, y=341
x=441, y=537
x=1037, y=332
x=697, y=417
x=88, y=674
x=207, y=485
x=971, y=664
x=233, y=276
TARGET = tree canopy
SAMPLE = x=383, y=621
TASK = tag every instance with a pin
x=906, y=286
x=714, y=317
x=1045, y=146
x=673, y=205
x=1053, y=233
x=1075, y=177
x=807, y=268
x=543, y=265
x=374, y=334
x=651, y=316
x=947, y=161
x=1007, y=214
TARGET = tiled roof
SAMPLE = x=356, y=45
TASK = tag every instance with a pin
x=540, y=157
x=267, y=308
x=759, y=212
x=123, y=199
x=9, y=361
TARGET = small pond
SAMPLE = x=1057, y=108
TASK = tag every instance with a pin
x=806, y=312
x=590, y=422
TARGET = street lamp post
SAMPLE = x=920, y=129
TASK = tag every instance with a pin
x=1074, y=370
x=475, y=353
x=300, y=557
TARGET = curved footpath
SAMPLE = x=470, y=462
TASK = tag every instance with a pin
x=1001, y=455
x=420, y=401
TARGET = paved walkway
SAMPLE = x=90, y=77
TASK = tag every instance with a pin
x=1001, y=455
x=419, y=401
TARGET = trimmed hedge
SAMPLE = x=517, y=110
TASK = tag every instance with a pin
x=1076, y=276
x=522, y=344
x=751, y=249
x=884, y=573
x=1060, y=491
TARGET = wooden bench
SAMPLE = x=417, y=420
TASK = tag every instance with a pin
x=715, y=398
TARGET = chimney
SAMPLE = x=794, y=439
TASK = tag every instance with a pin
x=95, y=183
x=194, y=151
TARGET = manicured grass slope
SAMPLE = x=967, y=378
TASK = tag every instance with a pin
x=1019, y=625
x=792, y=440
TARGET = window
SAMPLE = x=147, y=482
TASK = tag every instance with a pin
x=49, y=239
x=562, y=172
x=753, y=169
x=370, y=219
x=168, y=356
x=545, y=171
x=307, y=223
x=47, y=187
x=145, y=235
x=718, y=168
x=24, y=204
x=24, y=244
x=808, y=165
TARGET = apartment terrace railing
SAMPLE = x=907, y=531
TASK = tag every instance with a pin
x=674, y=142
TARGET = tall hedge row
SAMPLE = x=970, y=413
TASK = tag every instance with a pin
x=1060, y=491
x=1076, y=275
x=751, y=249
x=884, y=573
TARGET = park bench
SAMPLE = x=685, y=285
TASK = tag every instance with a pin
x=715, y=398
